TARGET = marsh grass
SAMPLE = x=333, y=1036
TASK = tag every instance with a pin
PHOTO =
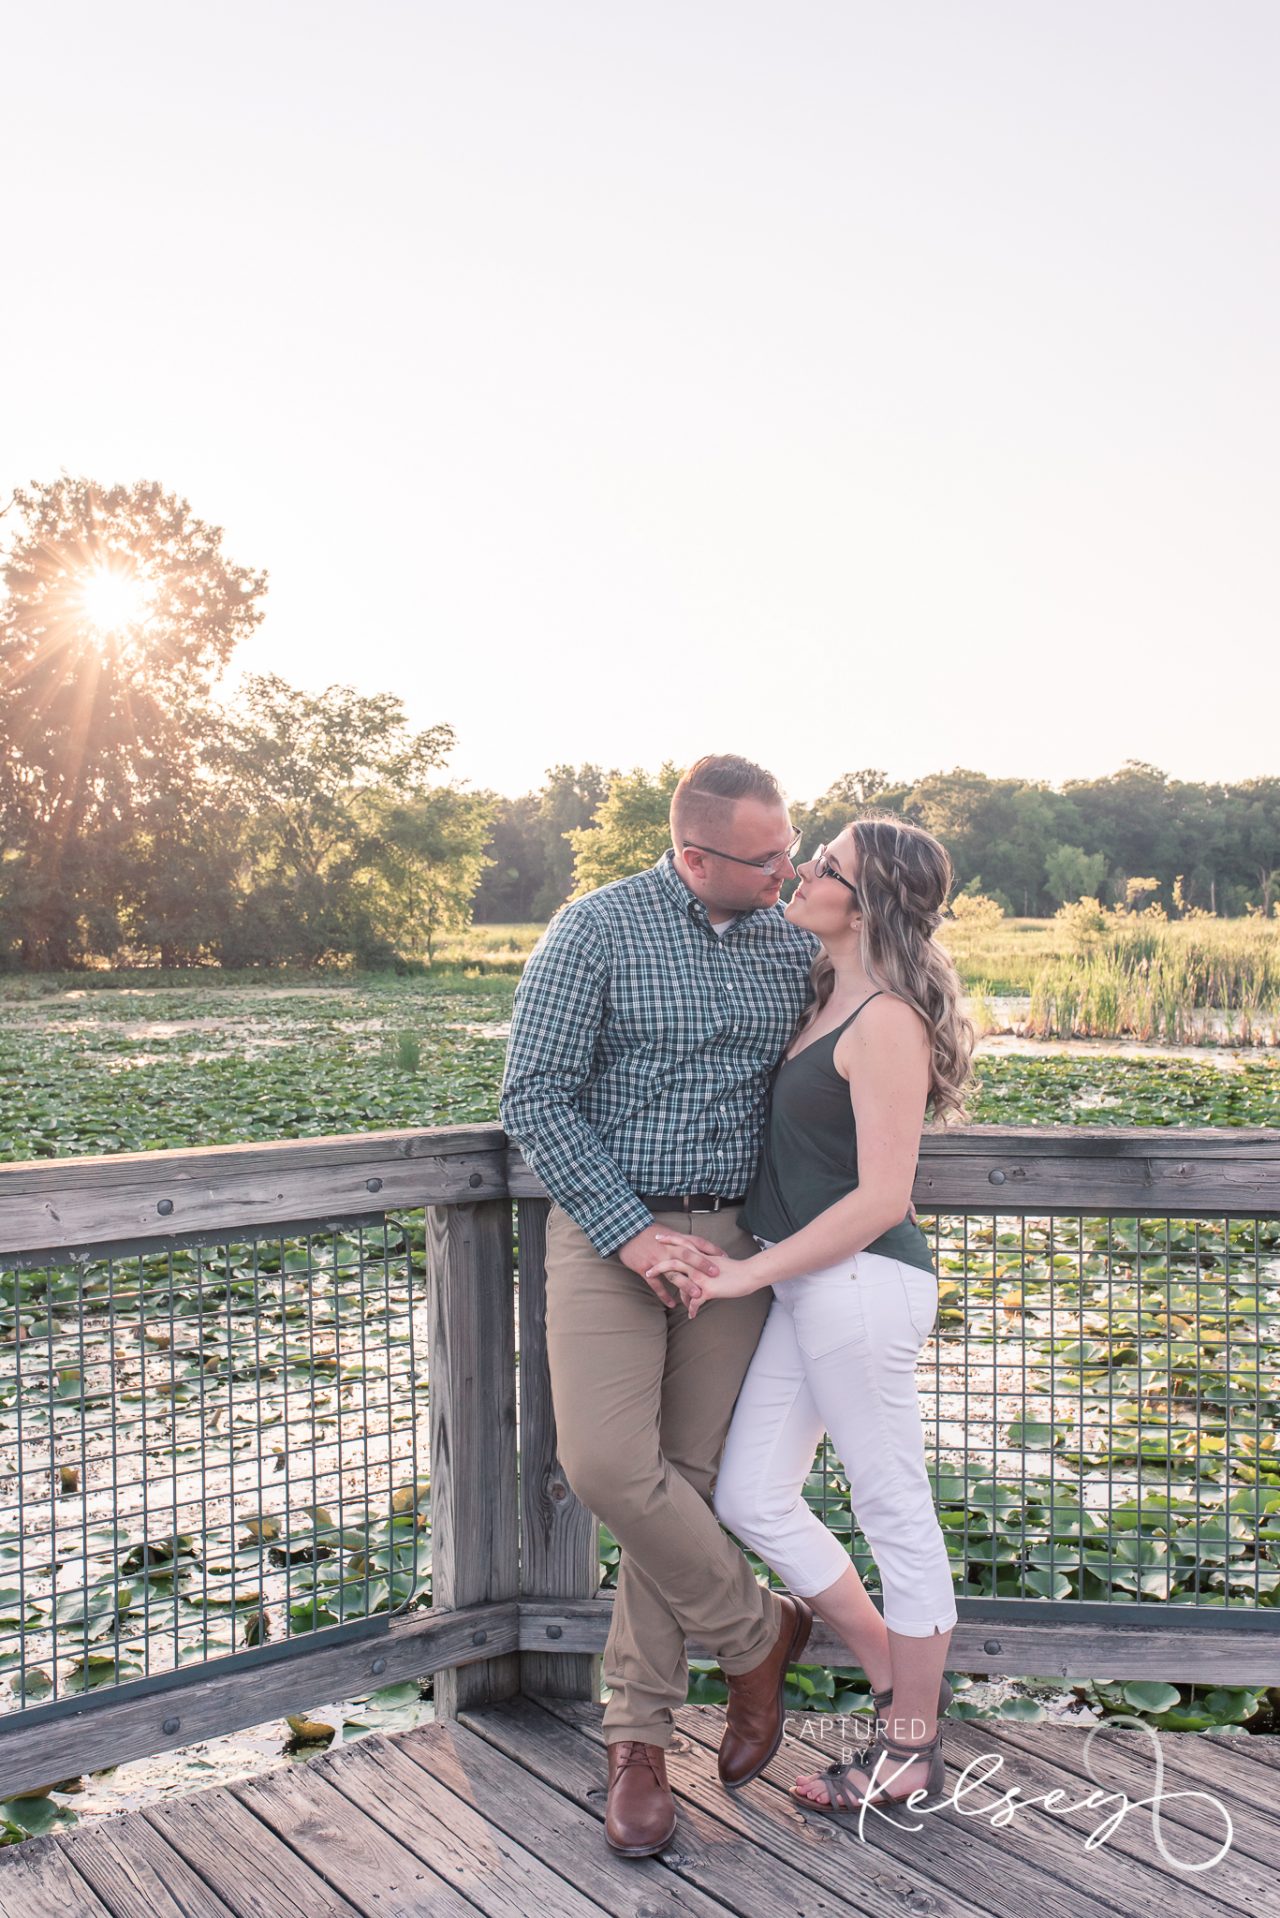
x=1177, y=984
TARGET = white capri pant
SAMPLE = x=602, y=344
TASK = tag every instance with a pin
x=838, y=1354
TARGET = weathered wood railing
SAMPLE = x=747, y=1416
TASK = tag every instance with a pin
x=514, y=1556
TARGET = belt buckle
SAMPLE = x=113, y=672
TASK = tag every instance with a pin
x=715, y=1206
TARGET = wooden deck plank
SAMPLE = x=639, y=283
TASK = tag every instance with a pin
x=355, y=1857
x=502, y=1814
x=137, y=1875
x=1260, y=1745
x=1124, y=1762
x=254, y=1874
x=567, y=1832
x=1237, y=1882
x=716, y=1845
x=962, y=1855
x=1130, y=1878
x=1055, y=1760
x=458, y=1841
x=37, y=1880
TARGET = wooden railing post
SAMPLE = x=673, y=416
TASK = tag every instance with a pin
x=559, y=1549
x=475, y=1547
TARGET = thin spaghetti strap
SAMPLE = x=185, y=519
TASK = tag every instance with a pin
x=866, y=1002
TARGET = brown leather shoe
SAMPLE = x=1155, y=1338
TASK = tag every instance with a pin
x=640, y=1815
x=754, y=1713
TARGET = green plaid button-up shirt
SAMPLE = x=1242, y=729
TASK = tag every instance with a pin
x=642, y=1046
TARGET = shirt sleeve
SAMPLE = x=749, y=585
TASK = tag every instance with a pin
x=559, y=1008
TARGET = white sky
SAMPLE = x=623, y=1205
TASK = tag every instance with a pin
x=838, y=383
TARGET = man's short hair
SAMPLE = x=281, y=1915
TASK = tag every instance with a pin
x=703, y=801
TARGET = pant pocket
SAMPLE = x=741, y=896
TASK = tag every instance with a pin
x=830, y=1316
x=920, y=1289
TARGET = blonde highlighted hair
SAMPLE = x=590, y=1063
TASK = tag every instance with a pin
x=903, y=878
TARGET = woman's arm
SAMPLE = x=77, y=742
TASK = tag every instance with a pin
x=886, y=1061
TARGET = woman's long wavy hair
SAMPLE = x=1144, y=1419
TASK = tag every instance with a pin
x=903, y=878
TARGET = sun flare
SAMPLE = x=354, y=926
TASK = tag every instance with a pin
x=114, y=600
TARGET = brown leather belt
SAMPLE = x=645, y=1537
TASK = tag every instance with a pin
x=686, y=1201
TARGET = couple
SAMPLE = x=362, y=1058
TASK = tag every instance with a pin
x=724, y=1098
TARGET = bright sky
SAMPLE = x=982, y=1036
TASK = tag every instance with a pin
x=840, y=382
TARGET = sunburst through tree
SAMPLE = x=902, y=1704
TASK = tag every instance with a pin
x=120, y=611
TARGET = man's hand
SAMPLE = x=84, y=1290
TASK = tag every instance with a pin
x=737, y=1278
x=644, y=1250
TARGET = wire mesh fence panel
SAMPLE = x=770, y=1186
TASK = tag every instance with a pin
x=208, y=1448
x=1101, y=1407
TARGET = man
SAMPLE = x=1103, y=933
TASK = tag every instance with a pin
x=647, y=1025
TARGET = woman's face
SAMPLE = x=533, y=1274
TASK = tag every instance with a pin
x=822, y=904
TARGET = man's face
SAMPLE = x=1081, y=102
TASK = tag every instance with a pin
x=724, y=879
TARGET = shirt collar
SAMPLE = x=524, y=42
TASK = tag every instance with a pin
x=684, y=897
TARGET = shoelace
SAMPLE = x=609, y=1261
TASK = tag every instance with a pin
x=633, y=1751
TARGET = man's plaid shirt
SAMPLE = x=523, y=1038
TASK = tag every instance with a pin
x=642, y=1046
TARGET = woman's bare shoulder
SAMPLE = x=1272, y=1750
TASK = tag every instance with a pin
x=885, y=1021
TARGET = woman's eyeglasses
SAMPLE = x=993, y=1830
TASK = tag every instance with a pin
x=825, y=867
x=773, y=864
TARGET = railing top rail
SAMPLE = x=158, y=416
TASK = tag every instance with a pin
x=59, y=1205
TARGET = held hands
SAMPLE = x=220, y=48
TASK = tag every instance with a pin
x=642, y=1254
x=701, y=1282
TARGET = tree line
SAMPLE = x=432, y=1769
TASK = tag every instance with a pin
x=142, y=820
x=1032, y=847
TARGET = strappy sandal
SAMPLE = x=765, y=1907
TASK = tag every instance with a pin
x=882, y=1700
x=842, y=1800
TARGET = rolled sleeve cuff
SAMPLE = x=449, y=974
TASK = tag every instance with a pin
x=611, y=1223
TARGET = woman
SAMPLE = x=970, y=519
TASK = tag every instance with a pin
x=855, y=1293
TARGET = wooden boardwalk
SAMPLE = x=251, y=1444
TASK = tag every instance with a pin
x=501, y=1813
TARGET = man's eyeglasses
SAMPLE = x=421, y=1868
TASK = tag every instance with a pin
x=773, y=864
x=824, y=867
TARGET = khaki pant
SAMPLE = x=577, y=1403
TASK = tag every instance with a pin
x=642, y=1399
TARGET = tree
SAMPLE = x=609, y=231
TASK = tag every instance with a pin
x=1071, y=873
x=532, y=870
x=297, y=764
x=568, y=803
x=517, y=868
x=866, y=790
x=1258, y=825
x=630, y=830
x=997, y=831
x=120, y=610
x=1131, y=817
x=198, y=831
x=429, y=860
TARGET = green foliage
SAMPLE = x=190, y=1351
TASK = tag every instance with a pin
x=531, y=874
x=34, y=1817
x=975, y=912
x=207, y=1065
x=426, y=864
x=1072, y=873
x=630, y=829
x=336, y=820
x=1205, y=847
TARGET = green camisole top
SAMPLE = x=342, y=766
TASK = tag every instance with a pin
x=810, y=1154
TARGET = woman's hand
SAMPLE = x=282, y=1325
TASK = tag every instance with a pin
x=735, y=1279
